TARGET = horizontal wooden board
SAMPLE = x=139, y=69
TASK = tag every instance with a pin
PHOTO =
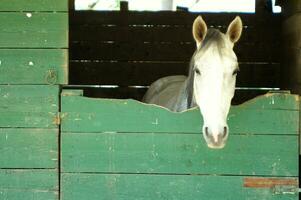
x=167, y=18
x=31, y=106
x=28, y=148
x=165, y=51
x=137, y=93
x=33, y=30
x=150, y=187
x=272, y=155
x=33, y=66
x=34, y=5
x=28, y=184
x=272, y=114
x=130, y=73
x=87, y=32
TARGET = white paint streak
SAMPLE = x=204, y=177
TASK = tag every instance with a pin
x=29, y=15
x=30, y=63
x=156, y=122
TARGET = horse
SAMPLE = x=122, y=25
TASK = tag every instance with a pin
x=210, y=84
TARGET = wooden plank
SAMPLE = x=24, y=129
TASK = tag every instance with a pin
x=33, y=5
x=292, y=31
x=33, y=30
x=292, y=71
x=130, y=73
x=31, y=106
x=33, y=66
x=87, y=32
x=28, y=184
x=28, y=148
x=149, y=187
x=165, y=51
x=172, y=153
x=292, y=52
x=274, y=114
x=167, y=18
x=137, y=93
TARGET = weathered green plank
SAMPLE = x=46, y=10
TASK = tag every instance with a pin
x=28, y=148
x=28, y=195
x=273, y=100
x=34, y=5
x=273, y=155
x=150, y=187
x=33, y=66
x=31, y=106
x=33, y=30
x=270, y=114
x=28, y=184
x=29, y=98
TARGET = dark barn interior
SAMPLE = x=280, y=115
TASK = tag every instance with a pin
x=117, y=54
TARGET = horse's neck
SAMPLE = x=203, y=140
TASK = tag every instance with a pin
x=185, y=99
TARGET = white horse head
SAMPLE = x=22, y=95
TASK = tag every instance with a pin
x=214, y=68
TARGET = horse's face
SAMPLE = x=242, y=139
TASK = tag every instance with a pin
x=215, y=68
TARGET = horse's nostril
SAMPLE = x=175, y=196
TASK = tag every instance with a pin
x=225, y=132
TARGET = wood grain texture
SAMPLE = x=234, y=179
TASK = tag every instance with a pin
x=34, y=5
x=149, y=187
x=268, y=155
x=28, y=184
x=33, y=66
x=33, y=30
x=272, y=114
x=28, y=148
x=31, y=106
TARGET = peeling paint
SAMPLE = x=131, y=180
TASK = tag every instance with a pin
x=29, y=15
x=156, y=122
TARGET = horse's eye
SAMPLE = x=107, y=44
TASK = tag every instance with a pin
x=197, y=71
x=235, y=71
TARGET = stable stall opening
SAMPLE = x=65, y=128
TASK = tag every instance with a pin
x=118, y=54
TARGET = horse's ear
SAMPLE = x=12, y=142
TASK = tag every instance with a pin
x=235, y=29
x=199, y=30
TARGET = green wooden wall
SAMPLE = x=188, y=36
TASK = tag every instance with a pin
x=33, y=42
x=122, y=149
x=33, y=62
